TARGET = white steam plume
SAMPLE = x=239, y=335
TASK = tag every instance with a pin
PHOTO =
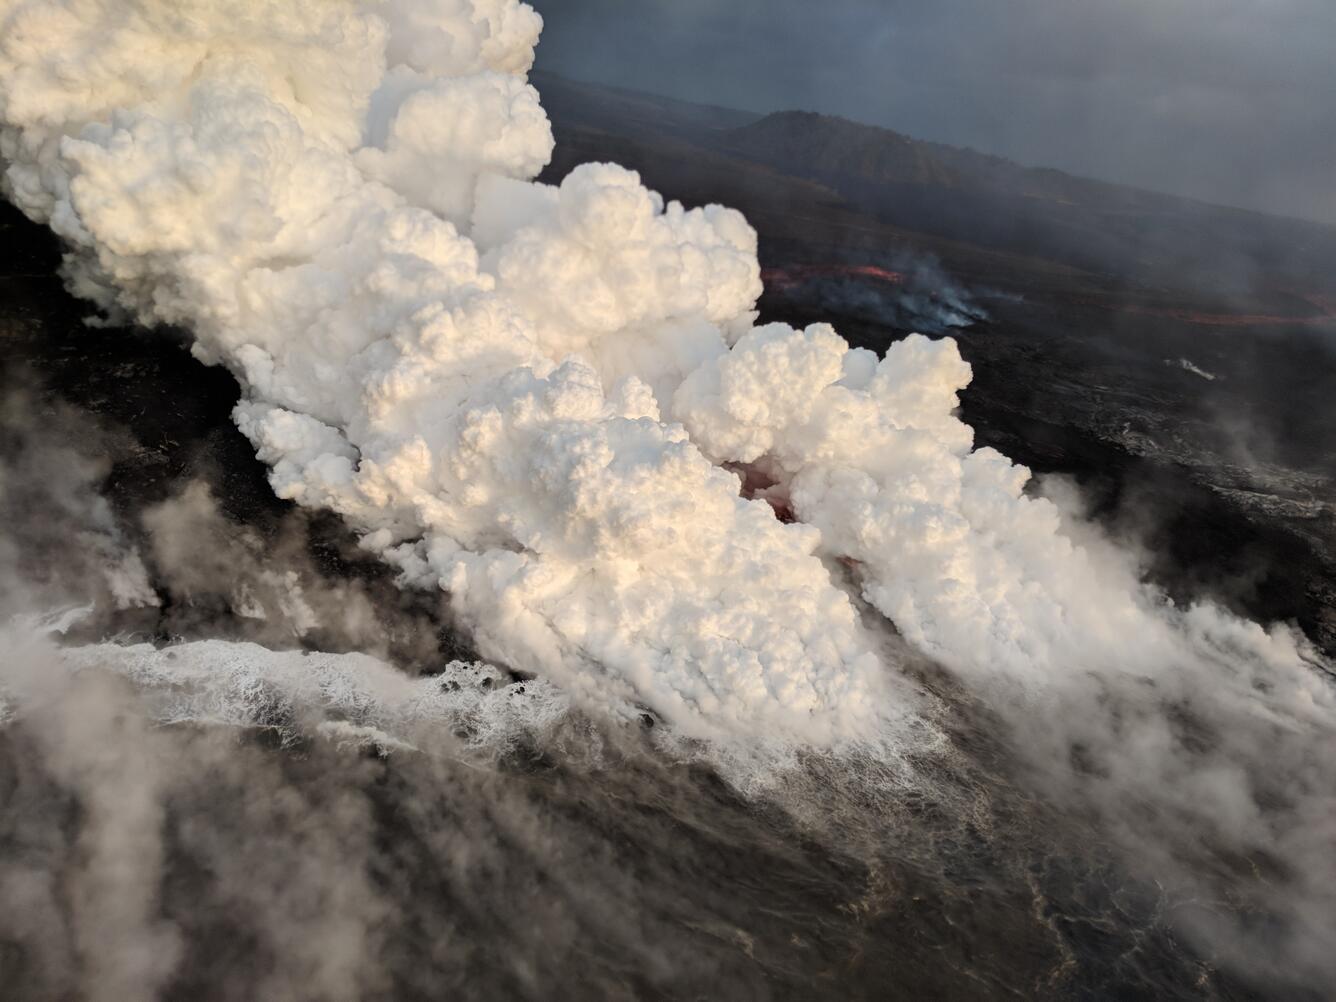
x=295, y=182
x=527, y=395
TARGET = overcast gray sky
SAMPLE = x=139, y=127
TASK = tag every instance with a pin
x=1229, y=101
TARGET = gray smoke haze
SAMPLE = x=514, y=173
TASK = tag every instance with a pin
x=228, y=579
x=62, y=543
x=1227, y=101
x=181, y=568
x=352, y=833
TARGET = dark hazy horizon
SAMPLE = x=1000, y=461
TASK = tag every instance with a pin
x=1227, y=101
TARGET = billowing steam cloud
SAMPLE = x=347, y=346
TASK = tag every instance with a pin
x=526, y=395
x=552, y=403
x=483, y=409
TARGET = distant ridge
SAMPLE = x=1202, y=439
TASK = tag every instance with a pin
x=959, y=195
x=821, y=146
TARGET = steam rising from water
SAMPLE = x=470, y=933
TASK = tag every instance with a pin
x=536, y=399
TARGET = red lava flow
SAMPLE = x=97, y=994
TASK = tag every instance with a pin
x=784, y=279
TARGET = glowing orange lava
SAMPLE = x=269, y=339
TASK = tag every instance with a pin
x=784, y=279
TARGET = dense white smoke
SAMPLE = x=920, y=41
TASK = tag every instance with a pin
x=295, y=183
x=553, y=404
x=539, y=398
